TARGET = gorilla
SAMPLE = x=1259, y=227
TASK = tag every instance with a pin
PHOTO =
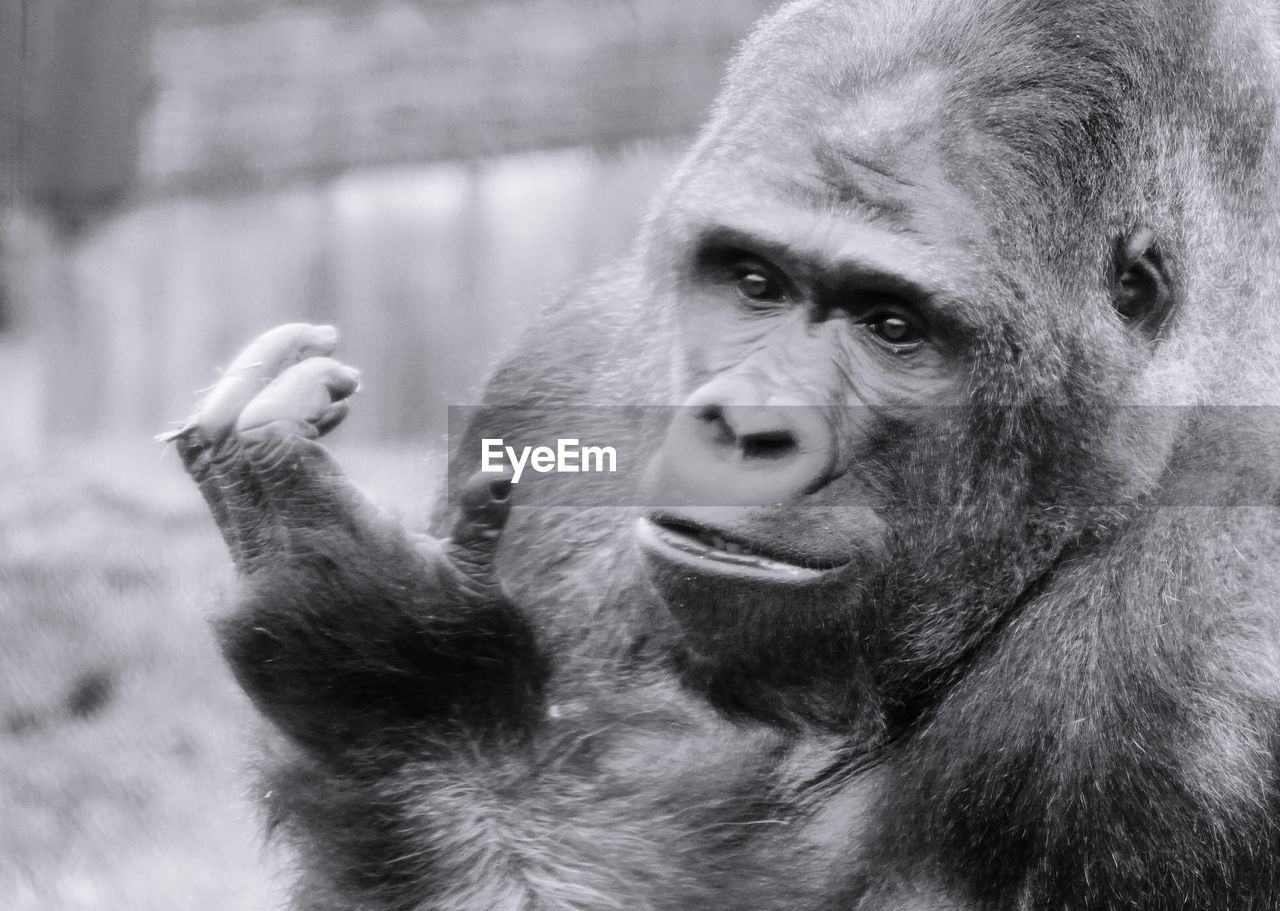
x=945, y=578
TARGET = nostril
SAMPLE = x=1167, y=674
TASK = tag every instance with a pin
x=777, y=444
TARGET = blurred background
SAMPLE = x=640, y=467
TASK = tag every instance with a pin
x=179, y=175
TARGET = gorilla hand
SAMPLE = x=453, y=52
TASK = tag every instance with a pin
x=349, y=630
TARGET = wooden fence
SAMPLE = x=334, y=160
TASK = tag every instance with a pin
x=261, y=91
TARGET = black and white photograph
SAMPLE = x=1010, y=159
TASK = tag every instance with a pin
x=640, y=455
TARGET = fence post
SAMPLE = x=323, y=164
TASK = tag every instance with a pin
x=84, y=70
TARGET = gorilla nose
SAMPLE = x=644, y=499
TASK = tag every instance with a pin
x=721, y=452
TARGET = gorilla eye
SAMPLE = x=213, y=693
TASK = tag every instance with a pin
x=896, y=331
x=758, y=285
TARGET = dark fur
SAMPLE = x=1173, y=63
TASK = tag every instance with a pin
x=1064, y=694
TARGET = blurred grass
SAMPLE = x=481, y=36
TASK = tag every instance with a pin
x=124, y=743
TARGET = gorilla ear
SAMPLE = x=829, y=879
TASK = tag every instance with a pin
x=1140, y=288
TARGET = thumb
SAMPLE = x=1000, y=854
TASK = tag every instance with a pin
x=484, y=504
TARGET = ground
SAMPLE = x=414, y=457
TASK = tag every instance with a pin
x=125, y=746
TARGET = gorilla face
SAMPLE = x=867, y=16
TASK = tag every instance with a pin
x=877, y=382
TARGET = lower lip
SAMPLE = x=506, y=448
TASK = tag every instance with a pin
x=674, y=547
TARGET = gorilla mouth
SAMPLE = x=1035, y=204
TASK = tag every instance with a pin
x=678, y=540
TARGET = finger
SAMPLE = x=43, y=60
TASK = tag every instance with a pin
x=484, y=504
x=227, y=483
x=300, y=400
x=195, y=455
x=331, y=418
x=483, y=508
x=256, y=367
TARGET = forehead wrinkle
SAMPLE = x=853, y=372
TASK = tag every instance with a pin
x=877, y=167
x=844, y=191
x=878, y=137
x=820, y=193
